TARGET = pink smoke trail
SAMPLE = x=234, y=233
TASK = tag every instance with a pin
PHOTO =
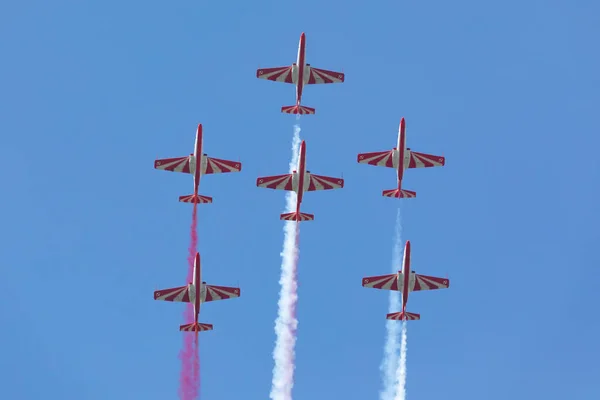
x=189, y=381
x=196, y=367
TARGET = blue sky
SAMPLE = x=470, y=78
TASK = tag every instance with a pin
x=93, y=92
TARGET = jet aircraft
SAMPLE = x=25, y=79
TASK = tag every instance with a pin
x=197, y=292
x=405, y=281
x=197, y=164
x=300, y=73
x=300, y=181
x=400, y=158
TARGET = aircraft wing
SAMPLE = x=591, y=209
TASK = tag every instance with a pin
x=214, y=293
x=422, y=160
x=317, y=75
x=219, y=166
x=278, y=182
x=320, y=182
x=278, y=74
x=181, y=293
x=177, y=164
x=424, y=282
x=379, y=159
x=385, y=282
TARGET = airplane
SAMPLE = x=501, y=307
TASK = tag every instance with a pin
x=300, y=181
x=197, y=292
x=197, y=164
x=405, y=281
x=290, y=74
x=410, y=159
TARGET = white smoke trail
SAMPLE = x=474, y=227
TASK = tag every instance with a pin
x=286, y=322
x=389, y=365
x=401, y=373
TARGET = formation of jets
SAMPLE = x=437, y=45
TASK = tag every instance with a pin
x=196, y=292
x=300, y=181
x=405, y=281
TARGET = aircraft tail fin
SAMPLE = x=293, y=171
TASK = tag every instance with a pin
x=195, y=198
x=195, y=327
x=293, y=216
x=403, y=316
x=399, y=193
x=297, y=109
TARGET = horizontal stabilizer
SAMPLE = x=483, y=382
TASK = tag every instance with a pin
x=302, y=110
x=198, y=199
x=196, y=327
x=399, y=194
x=293, y=216
x=401, y=316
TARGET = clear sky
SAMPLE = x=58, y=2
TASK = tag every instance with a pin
x=92, y=92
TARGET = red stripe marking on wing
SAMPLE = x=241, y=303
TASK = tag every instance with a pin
x=318, y=75
x=173, y=294
x=278, y=74
x=422, y=160
x=378, y=158
x=320, y=182
x=386, y=282
x=219, y=166
x=177, y=164
x=281, y=182
x=213, y=293
x=424, y=282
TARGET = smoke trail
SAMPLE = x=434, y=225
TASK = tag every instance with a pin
x=195, y=366
x=189, y=381
x=401, y=373
x=389, y=365
x=286, y=322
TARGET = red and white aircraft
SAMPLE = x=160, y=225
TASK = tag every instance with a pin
x=405, y=281
x=400, y=158
x=197, y=292
x=197, y=164
x=291, y=74
x=300, y=181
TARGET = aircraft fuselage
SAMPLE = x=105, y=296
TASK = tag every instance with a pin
x=401, y=148
x=197, y=159
x=406, y=275
x=301, y=173
x=301, y=65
